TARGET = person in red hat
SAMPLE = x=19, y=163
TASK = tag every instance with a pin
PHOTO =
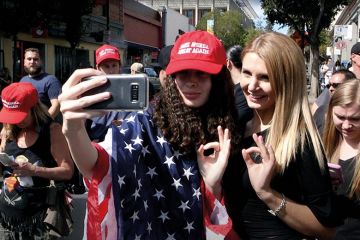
x=145, y=178
x=108, y=59
x=39, y=152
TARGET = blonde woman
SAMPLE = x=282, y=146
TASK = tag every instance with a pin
x=341, y=140
x=280, y=189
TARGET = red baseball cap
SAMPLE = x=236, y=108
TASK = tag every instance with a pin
x=107, y=52
x=17, y=99
x=197, y=50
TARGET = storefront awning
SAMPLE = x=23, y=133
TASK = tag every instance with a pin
x=142, y=46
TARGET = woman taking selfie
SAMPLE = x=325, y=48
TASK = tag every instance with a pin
x=146, y=168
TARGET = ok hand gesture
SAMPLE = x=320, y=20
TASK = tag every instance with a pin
x=212, y=167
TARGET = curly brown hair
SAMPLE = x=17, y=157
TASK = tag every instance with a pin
x=187, y=128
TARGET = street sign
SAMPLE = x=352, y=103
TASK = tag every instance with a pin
x=340, y=44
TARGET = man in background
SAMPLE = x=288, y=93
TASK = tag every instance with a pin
x=355, y=59
x=137, y=68
x=47, y=85
x=164, y=59
x=108, y=61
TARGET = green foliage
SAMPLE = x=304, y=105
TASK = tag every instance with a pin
x=325, y=41
x=252, y=33
x=303, y=15
x=227, y=27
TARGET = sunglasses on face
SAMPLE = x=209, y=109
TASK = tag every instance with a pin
x=334, y=85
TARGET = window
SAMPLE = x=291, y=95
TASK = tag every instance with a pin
x=202, y=12
x=190, y=13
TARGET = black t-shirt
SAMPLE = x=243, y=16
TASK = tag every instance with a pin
x=303, y=182
x=33, y=198
x=351, y=227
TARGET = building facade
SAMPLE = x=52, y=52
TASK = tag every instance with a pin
x=195, y=9
x=346, y=31
x=104, y=24
x=142, y=33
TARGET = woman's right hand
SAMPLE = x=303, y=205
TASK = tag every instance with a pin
x=261, y=172
x=72, y=104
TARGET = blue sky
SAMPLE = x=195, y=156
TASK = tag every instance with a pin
x=256, y=5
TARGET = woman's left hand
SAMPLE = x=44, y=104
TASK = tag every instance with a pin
x=260, y=173
x=23, y=169
x=212, y=167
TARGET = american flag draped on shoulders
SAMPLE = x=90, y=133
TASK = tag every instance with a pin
x=144, y=189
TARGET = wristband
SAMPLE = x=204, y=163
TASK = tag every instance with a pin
x=279, y=208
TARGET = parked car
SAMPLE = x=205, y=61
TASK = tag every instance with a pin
x=153, y=78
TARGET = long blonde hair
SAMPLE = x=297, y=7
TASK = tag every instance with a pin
x=346, y=94
x=292, y=122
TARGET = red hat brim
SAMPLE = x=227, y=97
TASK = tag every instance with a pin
x=12, y=117
x=196, y=64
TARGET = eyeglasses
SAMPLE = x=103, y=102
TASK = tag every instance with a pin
x=334, y=85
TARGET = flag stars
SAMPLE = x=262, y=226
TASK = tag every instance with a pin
x=135, y=216
x=145, y=151
x=137, y=140
x=121, y=180
x=177, y=154
x=164, y=216
x=170, y=236
x=176, y=183
x=187, y=173
x=189, y=226
x=134, y=171
x=160, y=140
x=169, y=161
x=149, y=228
x=136, y=194
x=130, y=119
x=197, y=193
x=139, y=183
x=129, y=147
x=123, y=131
x=137, y=237
x=151, y=172
x=184, y=206
x=146, y=206
x=158, y=194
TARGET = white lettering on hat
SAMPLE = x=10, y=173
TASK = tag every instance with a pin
x=184, y=50
x=10, y=104
x=194, y=47
x=106, y=51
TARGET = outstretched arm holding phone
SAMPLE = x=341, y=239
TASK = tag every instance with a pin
x=74, y=115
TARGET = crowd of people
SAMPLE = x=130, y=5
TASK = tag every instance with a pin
x=229, y=148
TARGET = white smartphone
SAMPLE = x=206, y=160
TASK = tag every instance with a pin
x=6, y=160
